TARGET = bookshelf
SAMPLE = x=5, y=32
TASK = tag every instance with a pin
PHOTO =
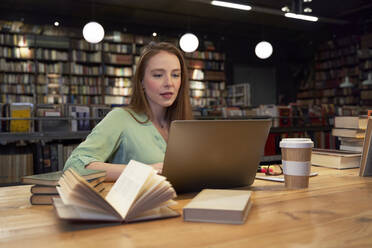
x=85, y=85
x=334, y=60
x=207, y=78
x=118, y=62
x=365, y=61
x=45, y=69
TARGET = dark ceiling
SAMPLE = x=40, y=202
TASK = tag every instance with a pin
x=198, y=16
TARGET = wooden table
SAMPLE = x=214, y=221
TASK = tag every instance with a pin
x=335, y=211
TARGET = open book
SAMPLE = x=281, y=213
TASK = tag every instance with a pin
x=138, y=194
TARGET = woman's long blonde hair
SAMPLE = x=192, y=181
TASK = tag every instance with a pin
x=181, y=108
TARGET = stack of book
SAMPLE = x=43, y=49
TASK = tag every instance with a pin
x=45, y=190
x=351, y=131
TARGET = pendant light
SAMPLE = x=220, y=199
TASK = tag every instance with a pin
x=93, y=32
x=346, y=83
x=263, y=49
x=189, y=42
x=368, y=81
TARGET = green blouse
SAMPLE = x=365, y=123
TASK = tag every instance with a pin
x=117, y=139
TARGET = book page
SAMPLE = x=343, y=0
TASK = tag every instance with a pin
x=128, y=186
x=71, y=212
x=161, y=197
x=156, y=213
x=75, y=191
x=157, y=184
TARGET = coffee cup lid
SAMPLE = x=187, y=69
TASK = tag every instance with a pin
x=296, y=143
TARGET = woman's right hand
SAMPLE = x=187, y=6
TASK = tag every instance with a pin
x=158, y=167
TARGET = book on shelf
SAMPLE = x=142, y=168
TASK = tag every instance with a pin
x=337, y=159
x=354, y=122
x=52, y=178
x=50, y=121
x=219, y=206
x=21, y=110
x=366, y=161
x=351, y=133
x=138, y=194
x=81, y=116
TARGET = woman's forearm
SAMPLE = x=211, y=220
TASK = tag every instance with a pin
x=113, y=171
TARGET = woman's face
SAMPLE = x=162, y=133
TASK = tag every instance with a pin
x=162, y=80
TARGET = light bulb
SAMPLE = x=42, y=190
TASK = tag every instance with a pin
x=93, y=32
x=263, y=50
x=189, y=42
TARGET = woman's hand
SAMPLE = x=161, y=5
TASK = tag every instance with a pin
x=158, y=167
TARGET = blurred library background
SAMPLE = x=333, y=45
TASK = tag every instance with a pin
x=300, y=62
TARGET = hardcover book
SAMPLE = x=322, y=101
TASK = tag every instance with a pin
x=43, y=195
x=355, y=122
x=219, y=206
x=351, y=133
x=366, y=161
x=52, y=178
x=335, y=158
x=138, y=194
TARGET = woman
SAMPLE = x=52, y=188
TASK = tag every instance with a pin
x=140, y=131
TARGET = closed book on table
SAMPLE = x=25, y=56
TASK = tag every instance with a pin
x=51, y=178
x=44, y=199
x=219, y=206
x=351, y=133
x=335, y=158
x=356, y=122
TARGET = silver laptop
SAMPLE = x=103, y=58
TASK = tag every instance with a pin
x=214, y=153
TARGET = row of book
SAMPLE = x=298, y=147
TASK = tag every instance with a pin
x=16, y=52
x=206, y=55
x=120, y=59
x=85, y=70
x=366, y=94
x=346, y=100
x=119, y=71
x=364, y=53
x=367, y=65
x=20, y=66
x=327, y=92
x=202, y=102
x=351, y=132
x=79, y=117
x=8, y=98
x=19, y=161
x=16, y=162
x=62, y=99
x=50, y=54
x=336, y=53
x=9, y=78
x=205, y=93
x=199, y=85
x=336, y=63
x=78, y=55
x=322, y=140
x=207, y=65
x=16, y=89
x=337, y=73
x=118, y=48
x=15, y=39
x=340, y=42
x=83, y=45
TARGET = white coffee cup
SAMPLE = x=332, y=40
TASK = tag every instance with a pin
x=296, y=161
